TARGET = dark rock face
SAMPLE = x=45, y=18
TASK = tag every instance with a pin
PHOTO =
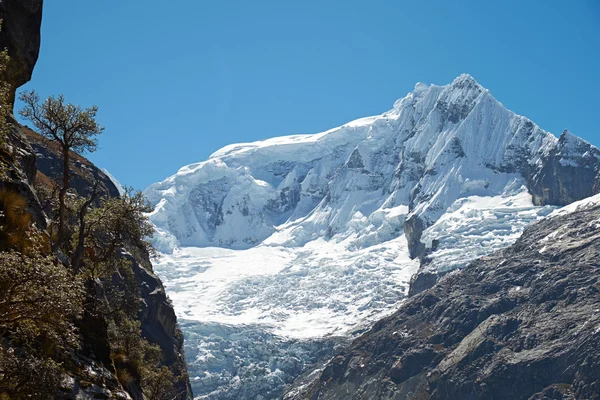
x=159, y=323
x=21, y=23
x=523, y=323
x=82, y=173
x=569, y=173
x=413, y=229
x=19, y=158
x=422, y=281
x=355, y=160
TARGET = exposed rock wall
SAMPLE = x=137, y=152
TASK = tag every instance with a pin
x=569, y=172
x=19, y=159
x=82, y=172
x=522, y=323
x=21, y=23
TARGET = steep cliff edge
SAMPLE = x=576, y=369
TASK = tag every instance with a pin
x=159, y=323
x=522, y=323
x=31, y=162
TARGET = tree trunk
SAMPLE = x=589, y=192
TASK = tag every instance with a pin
x=62, y=206
x=79, y=249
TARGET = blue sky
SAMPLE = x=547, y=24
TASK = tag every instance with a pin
x=177, y=80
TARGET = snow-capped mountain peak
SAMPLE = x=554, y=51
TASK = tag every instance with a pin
x=307, y=236
x=437, y=144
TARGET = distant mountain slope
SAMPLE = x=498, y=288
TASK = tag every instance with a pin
x=307, y=237
x=523, y=323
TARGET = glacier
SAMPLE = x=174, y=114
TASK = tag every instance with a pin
x=301, y=242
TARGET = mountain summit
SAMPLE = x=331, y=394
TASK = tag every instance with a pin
x=304, y=237
x=435, y=146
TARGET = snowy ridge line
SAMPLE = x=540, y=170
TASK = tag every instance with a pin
x=436, y=145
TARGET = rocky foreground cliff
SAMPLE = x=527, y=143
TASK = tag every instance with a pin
x=159, y=323
x=31, y=165
x=522, y=323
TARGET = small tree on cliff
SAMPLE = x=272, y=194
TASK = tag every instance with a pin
x=71, y=127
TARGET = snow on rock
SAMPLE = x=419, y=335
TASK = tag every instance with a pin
x=578, y=205
x=302, y=237
x=475, y=226
x=114, y=180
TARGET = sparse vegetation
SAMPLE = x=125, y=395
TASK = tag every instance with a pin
x=72, y=127
x=39, y=301
x=81, y=266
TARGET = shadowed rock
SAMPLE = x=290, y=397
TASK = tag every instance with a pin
x=522, y=323
x=21, y=23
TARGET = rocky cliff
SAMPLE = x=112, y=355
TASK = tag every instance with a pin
x=83, y=174
x=159, y=323
x=522, y=323
x=21, y=21
x=32, y=162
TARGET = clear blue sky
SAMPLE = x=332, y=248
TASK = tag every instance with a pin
x=177, y=80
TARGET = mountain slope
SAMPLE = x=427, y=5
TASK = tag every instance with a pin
x=312, y=236
x=523, y=323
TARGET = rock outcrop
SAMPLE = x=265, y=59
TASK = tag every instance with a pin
x=159, y=323
x=83, y=174
x=21, y=23
x=569, y=172
x=19, y=160
x=522, y=323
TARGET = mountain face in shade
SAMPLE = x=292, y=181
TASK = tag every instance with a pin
x=314, y=236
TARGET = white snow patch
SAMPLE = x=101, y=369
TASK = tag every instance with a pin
x=114, y=180
x=321, y=289
x=578, y=205
x=475, y=226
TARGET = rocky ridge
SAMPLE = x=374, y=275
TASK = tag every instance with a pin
x=522, y=323
x=20, y=34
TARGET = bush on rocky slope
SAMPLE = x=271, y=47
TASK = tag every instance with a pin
x=68, y=295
